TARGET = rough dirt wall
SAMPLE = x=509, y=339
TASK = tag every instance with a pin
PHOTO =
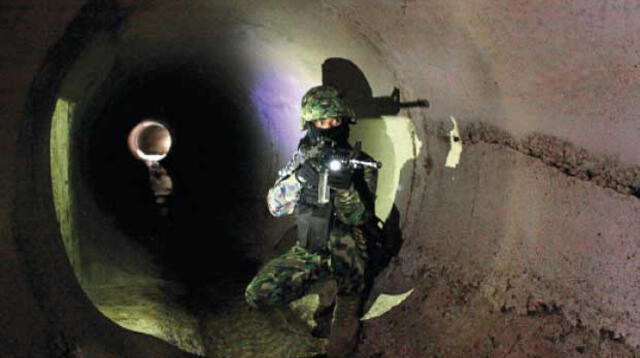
x=563, y=68
x=516, y=252
x=540, y=217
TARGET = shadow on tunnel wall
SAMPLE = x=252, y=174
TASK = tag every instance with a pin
x=392, y=139
x=347, y=77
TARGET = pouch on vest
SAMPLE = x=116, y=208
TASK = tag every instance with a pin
x=314, y=224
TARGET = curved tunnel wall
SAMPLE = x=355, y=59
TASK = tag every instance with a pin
x=234, y=115
x=179, y=68
x=526, y=231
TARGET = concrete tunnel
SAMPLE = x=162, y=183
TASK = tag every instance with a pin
x=527, y=247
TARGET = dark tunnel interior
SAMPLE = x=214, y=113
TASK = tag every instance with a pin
x=198, y=242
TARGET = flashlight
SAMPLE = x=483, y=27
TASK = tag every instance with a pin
x=335, y=165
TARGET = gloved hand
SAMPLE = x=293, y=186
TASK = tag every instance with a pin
x=340, y=179
x=307, y=175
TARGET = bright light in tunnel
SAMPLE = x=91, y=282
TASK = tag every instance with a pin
x=276, y=97
x=150, y=140
x=392, y=140
x=150, y=157
x=335, y=165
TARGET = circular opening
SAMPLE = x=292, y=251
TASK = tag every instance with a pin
x=150, y=140
x=150, y=109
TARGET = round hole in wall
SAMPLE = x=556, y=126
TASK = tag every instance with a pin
x=150, y=140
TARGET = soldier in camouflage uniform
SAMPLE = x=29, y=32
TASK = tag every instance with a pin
x=330, y=241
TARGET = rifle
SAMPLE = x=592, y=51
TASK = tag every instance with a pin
x=330, y=158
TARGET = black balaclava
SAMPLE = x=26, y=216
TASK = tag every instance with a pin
x=339, y=134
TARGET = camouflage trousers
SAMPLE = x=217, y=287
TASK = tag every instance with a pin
x=289, y=276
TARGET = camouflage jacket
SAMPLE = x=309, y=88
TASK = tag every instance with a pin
x=353, y=206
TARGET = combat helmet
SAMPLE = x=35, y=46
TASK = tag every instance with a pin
x=322, y=102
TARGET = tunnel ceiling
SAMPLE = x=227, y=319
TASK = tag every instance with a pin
x=565, y=69
x=562, y=68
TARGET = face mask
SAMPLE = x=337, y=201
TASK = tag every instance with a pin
x=339, y=134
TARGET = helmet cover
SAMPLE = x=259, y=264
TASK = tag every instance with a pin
x=323, y=102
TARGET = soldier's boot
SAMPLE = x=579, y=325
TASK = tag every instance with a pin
x=323, y=314
x=345, y=326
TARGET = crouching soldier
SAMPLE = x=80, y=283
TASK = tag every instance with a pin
x=330, y=188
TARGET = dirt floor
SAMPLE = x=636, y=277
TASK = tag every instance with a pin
x=214, y=322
